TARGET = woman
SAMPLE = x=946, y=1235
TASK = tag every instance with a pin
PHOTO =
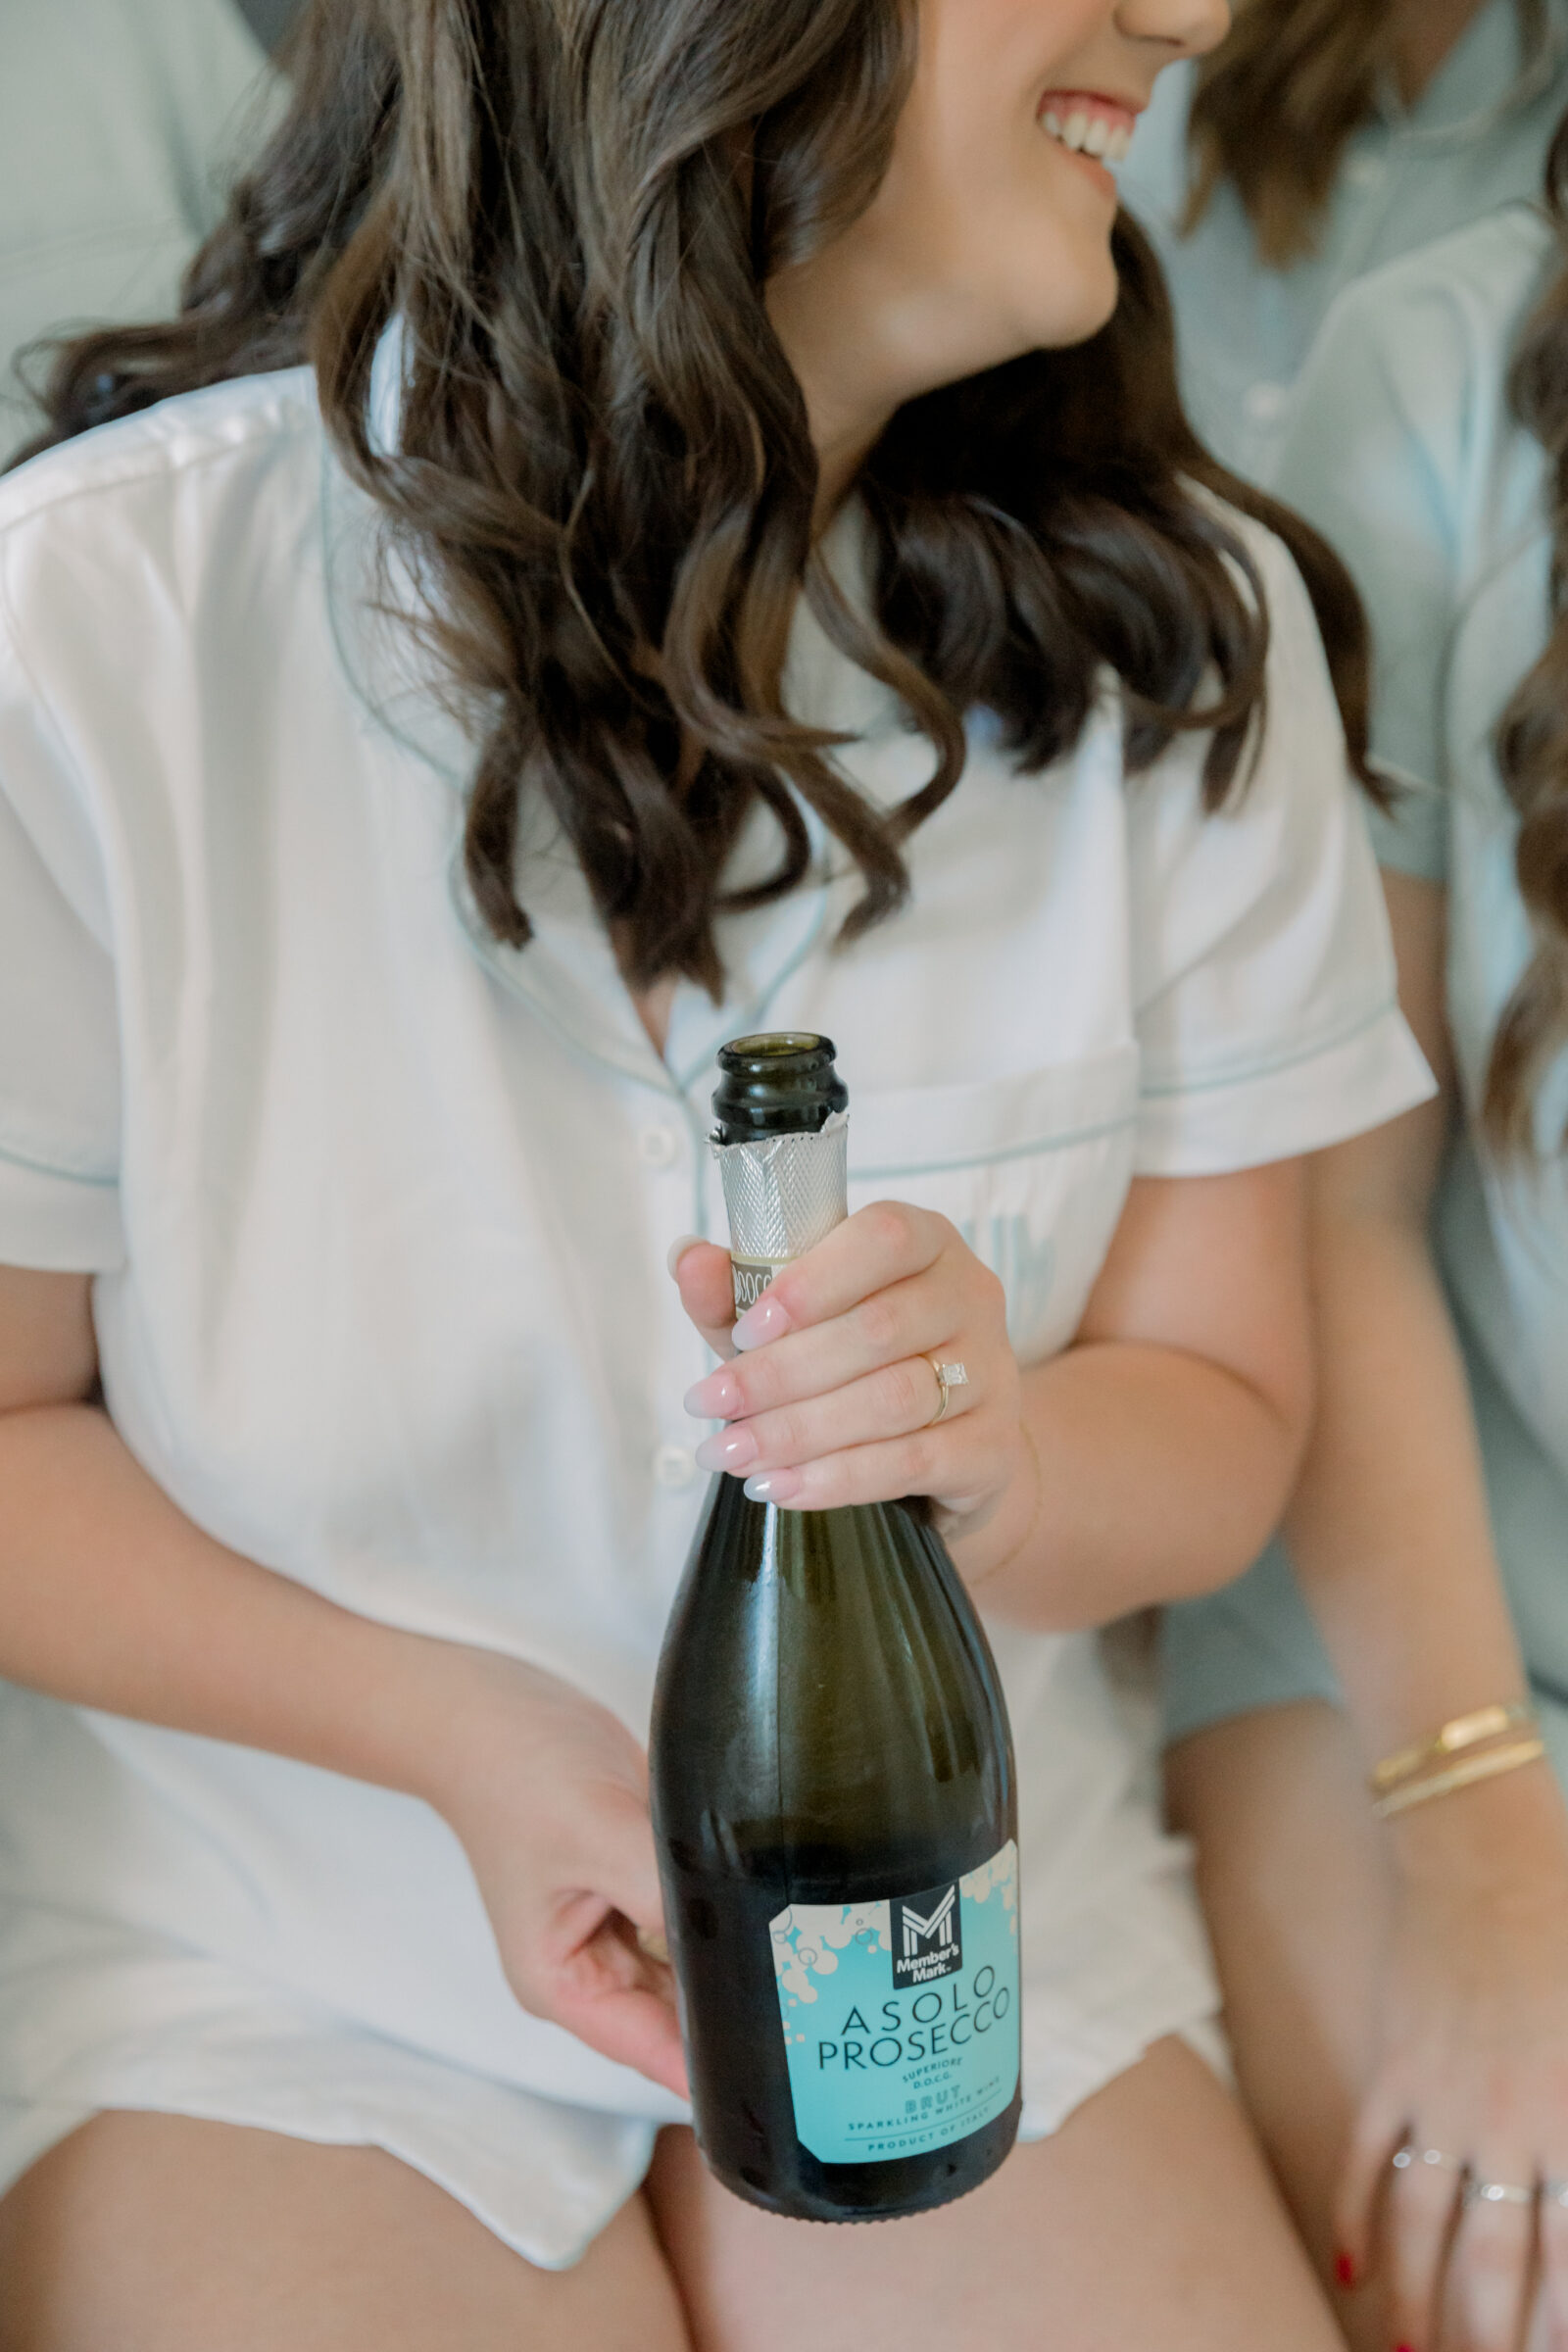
x=414, y=766
x=118, y=118
x=1407, y=1994
x=1322, y=139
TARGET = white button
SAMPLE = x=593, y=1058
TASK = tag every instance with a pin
x=674, y=1466
x=658, y=1147
x=1366, y=171
x=1265, y=403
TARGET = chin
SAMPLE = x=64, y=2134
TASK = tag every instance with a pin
x=1076, y=312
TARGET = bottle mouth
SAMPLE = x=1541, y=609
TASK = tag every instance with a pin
x=780, y=1082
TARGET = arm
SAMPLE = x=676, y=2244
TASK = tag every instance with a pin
x=1388, y=1527
x=111, y=1598
x=1160, y=1446
x=1390, y=1535
x=1170, y=1432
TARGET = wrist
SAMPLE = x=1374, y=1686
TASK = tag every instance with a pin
x=437, y=1727
x=1501, y=1838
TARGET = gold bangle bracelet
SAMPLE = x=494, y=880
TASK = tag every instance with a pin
x=1463, y=1774
x=1465, y=1730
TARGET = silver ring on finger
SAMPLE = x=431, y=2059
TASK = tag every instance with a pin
x=1407, y=2156
x=1554, y=2191
x=1497, y=2192
x=948, y=1378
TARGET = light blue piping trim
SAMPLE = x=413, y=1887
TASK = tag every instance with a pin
x=991, y=1159
x=1249, y=1072
x=47, y=1167
x=482, y=948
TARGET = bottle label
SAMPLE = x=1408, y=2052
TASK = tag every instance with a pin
x=901, y=2017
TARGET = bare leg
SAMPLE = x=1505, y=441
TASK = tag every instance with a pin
x=1296, y=1893
x=1149, y=2221
x=153, y=2233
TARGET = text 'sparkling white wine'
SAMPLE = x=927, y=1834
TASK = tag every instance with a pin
x=832, y=1785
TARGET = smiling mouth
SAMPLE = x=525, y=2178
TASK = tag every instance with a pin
x=1090, y=125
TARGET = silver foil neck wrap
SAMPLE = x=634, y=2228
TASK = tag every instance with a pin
x=787, y=1194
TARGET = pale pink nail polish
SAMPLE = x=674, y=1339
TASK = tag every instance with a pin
x=732, y=1449
x=765, y=1321
x=716, y=1399
x=774, y=1486
x=678, y=1249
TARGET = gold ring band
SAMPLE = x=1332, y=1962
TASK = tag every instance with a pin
x=948, y=1378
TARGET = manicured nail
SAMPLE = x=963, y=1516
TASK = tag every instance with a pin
x=773, y=1485
x=765, y=1321
x=678, y=1249
x=732, y=1449
x=1345, y=2271
x=716, y=1399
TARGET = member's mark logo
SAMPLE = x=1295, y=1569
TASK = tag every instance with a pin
x=927, y=1937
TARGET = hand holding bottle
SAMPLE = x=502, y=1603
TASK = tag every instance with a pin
x=548, y=1792
x=829, y=1389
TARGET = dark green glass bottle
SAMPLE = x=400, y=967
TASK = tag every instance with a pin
x=832, y=1786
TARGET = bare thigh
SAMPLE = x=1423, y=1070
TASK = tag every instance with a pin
x=1149, y=2220
x=155, y=2234
x=1297, y=1895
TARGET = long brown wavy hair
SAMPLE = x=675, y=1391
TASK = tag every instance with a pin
x=602, y=462
x=1279, y=100
x=1531, y=740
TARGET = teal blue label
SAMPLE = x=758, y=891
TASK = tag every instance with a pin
x=901, y=2017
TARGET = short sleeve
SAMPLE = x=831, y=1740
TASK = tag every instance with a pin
x=1264, y=978
x=59, y=1048
x=1371, y=459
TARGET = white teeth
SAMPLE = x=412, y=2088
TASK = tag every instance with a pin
x=1090, y=135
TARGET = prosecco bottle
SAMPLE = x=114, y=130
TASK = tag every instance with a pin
x=833, y=1786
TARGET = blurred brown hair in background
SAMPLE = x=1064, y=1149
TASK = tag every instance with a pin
x=1278, y=101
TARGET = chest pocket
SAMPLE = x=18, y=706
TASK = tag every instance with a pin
x=1033, y=1169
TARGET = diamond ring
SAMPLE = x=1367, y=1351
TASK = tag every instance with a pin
x=948, y=1378
x=1405, y=2157
x=1497, y=2192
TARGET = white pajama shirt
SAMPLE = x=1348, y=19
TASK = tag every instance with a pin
x=379, y=1213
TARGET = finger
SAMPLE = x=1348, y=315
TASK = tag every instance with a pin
x=1365, y=2183
x=598, y=1971
x=1490, y=2265
x=921, y=1317
x=892, y=1404
x=955, y=1462
x=703, y=1277
x=1553, y=2242
x=868, y=1252
x=622, y=2003
x=1419, y=2220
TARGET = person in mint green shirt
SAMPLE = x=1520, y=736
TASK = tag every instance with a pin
x=119, y=122
x=1402, y=1987
x=1340, y=135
